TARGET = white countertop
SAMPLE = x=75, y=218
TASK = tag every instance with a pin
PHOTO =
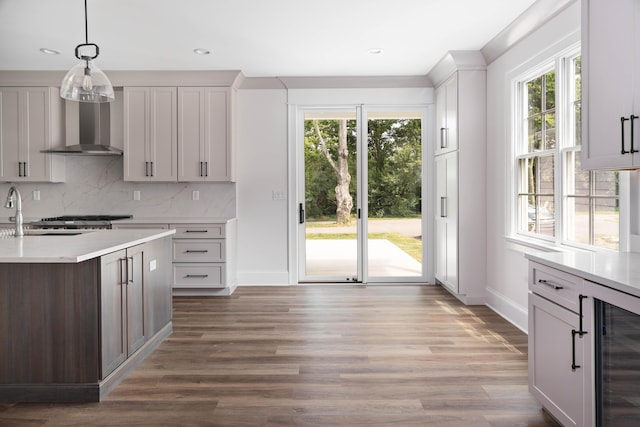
x=38, y=248
x=173, y=220
x=616, y=270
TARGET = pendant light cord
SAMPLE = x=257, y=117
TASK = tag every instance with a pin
x=86, y=24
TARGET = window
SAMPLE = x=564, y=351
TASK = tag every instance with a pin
x=557, y=201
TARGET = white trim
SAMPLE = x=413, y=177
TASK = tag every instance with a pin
x=562, y=47
x=263, y=279
x=539, y=13
x=508, y=309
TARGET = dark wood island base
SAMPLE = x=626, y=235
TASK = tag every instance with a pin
x=70, y=332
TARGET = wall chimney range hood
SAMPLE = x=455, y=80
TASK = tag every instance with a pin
x=93, y=132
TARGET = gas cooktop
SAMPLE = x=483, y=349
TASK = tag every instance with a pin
x=79, y=221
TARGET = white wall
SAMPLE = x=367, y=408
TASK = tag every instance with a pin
x=261, y=115
x=506, y=265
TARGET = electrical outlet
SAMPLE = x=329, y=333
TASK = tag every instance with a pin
x=278, y=195
x=195, y=195
x=136, y=194
x=36, y=194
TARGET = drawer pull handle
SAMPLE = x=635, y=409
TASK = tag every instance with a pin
x=574, y=366
x=196, y=231
x=196, y=251
x=550, y=284
x=196, y=276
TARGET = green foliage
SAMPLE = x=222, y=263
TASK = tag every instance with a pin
x=394, y=150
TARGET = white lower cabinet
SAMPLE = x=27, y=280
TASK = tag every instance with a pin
x=558, y=344
x=553, y=349
x=204, y=256
x=199, y=256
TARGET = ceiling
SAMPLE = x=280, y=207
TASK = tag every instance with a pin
x=262, y=38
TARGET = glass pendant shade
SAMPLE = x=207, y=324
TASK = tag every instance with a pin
x=85, y=82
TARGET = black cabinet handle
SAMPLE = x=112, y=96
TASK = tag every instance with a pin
x=196, y=251
x=550, y=284
x=622, y=150
x=196, y=276
x=301, y=214
x=581, y=332
x=151, y=163
x=573, y=350
x=632, y=118
x=196, y=231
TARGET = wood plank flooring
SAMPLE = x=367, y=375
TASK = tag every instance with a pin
x=319, y=356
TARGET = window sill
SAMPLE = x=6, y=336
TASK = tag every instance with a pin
x=525, y=245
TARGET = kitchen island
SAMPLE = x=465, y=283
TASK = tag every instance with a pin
x=79, y=309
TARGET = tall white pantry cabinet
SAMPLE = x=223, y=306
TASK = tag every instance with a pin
x=460, y=165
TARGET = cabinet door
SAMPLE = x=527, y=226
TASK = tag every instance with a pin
x=136, y=134
x=609, y=48
x=36, y=138
x=447, y=116
x=217, y=147
x=30, y=121
x=163, y=133
x=150, y=134
x=191, y=134
x=113, y=300
x=447, y=220
x=135, y=301
x=553, y=351
x=10, y=133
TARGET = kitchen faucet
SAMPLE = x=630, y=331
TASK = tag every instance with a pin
x=15, y=194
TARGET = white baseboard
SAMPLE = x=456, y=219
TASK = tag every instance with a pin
x=263, y=279
x=212, y=292
x=512, y=312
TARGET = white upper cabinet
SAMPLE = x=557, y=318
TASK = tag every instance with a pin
x=31, y=120
x=611, y=84
x=205, y=149
x=150, y=134
x=446, y=116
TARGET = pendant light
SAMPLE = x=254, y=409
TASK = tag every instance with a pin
x=85, y=82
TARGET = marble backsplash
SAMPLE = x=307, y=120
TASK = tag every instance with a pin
x=94, y=185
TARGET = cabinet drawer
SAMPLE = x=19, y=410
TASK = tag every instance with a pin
x=198, y=276
x=198, y=231
x=555, y=285
x=198, y=250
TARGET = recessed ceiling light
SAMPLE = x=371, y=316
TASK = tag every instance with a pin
x=376, y=51
x=201, y=51
x=48, y=51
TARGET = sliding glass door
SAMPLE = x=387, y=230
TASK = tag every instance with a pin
x=360, y=197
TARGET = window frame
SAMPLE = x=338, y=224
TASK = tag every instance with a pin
x=562, y=63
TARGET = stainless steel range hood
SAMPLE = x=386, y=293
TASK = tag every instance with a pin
x=93, y=132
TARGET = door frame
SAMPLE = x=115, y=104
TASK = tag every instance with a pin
x=415, y=98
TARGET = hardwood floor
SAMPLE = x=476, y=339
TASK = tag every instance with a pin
x=319, y=356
